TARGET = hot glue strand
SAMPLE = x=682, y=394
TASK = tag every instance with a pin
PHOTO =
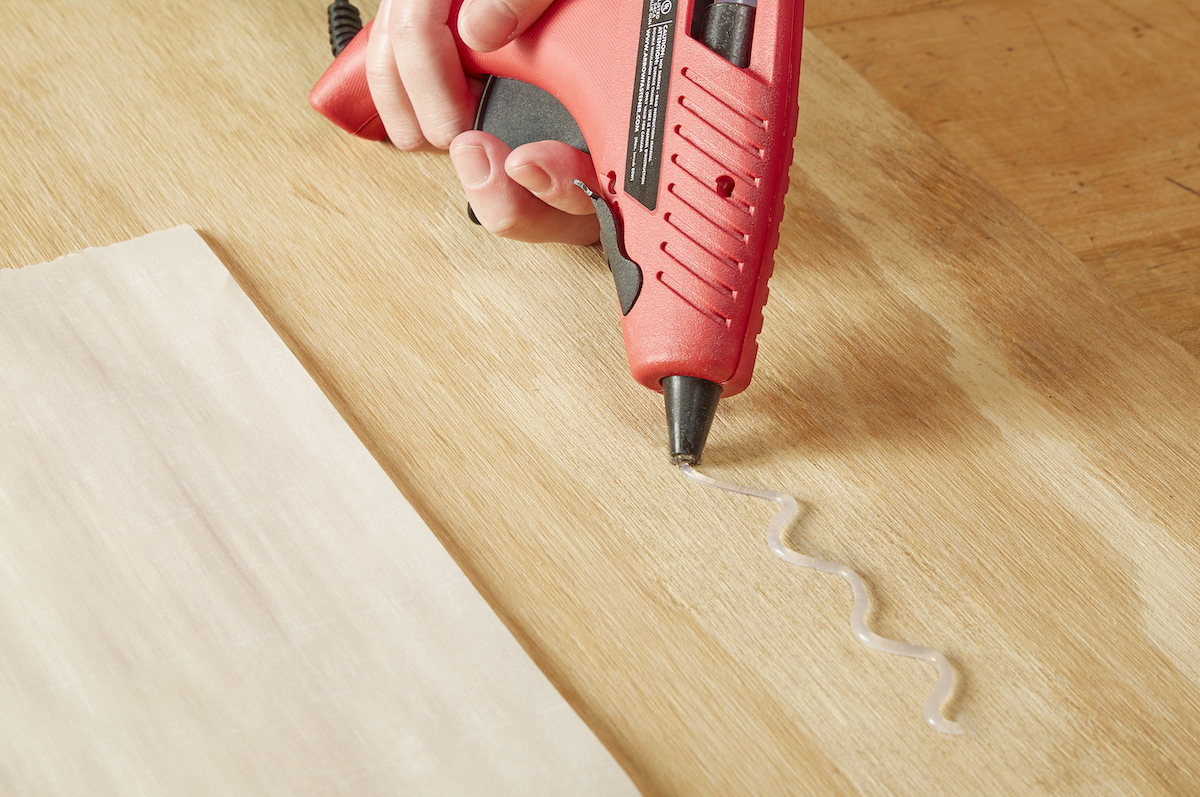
x=788, y=510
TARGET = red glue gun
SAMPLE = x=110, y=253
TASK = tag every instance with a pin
x=688, y=109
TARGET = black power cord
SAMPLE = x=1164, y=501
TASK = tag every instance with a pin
x=344, y=24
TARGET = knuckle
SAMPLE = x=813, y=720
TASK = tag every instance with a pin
x=412, y=20
x=377, y=70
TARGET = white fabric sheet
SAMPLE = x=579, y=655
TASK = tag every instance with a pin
x=207, y=584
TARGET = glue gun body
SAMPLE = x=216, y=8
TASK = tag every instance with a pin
x=688, y=111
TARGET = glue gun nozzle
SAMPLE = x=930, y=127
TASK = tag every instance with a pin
x=691, y=405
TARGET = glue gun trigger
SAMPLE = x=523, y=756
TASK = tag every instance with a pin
x=626, y=274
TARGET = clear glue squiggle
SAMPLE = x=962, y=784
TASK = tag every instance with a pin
x=788, y=509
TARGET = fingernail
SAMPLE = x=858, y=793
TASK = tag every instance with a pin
x=532, y=177
x=472, y=164
x=487, y=23
x=381, y=16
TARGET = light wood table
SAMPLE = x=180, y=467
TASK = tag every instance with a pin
x=1084, y=113
x=1002, y=445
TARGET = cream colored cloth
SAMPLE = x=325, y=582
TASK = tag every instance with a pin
x=209, y=587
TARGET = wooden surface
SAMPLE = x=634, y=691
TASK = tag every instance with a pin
x=1084, y=113
x=1004, y=448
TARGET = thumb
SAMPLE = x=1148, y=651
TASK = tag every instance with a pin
x=486, y=25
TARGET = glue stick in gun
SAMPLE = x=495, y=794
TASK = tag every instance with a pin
x=688, y=110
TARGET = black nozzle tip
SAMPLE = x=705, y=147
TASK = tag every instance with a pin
x=691, y=406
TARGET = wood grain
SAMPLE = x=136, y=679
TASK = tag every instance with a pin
x=1003, y=447
x=1082, y=112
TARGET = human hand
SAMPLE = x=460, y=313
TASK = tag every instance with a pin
x=426, y=102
